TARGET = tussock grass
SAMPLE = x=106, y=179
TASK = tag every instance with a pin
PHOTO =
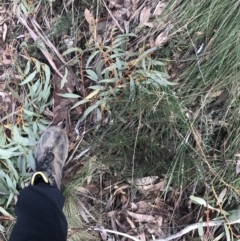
x=213, y=24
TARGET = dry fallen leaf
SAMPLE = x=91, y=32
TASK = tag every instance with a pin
x=4, y=31
x=151, y=42
x=130, y=223
x=160, y=7
x=145, y=15
x=161, y=39
x=221, y=196
x=216, y=94
x=143, y=207
x=157, y=187
x=238, y=167
x=89, y=17
x=142, y=181
x=141, y=217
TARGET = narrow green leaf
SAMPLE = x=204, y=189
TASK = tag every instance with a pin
x=41, y=127
x=2, y=136
x=92, y=75
x=12, y=168
x=96, y=87
x=35, y=128
x=29, y=78
x=117, y=55
x=15, y=94
x=27, y=68
x=89, y=110
x=47, y=72
x=113, y=80
x=24, y=9
x=31, y=160
x=5, y=154
x=228, y=236
x=92, y=94
x=91, y=58
x=10, y=184
x=44, y=121
x=99, y=69
x=29, y=132
x=70, y=95
x=219, y=237
x=201, y=201
x=132, y=90
x=64, y=79
x=10, y=198
x=200, y=230
x=22, y=140
x=80, y=103
x=68, y=51
x=30, y=113
x=99, y=115
x=37, y=65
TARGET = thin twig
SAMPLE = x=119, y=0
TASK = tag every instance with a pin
x=116, y=232
x=75, y=149
x=135, y=144
x=114, y=19
x=195, y=50
x=171, y=237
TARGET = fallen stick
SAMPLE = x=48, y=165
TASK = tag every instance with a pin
x=171, y=237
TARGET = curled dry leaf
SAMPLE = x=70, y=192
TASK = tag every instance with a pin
x=89, y=17
x=120, y=190
x=143, y=207
x=238, y=167
x=142, y=181
x=216, y=94
x=134, y=207
x=142, y=218
x=4, y=31
x=130, y=223
x=111, y=213
x=221, y=196
x=152, y=42
x=161, y=39
x=159, y=8
x=145, y=15
x=157, y=187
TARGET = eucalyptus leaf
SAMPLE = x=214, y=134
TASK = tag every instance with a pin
x=70, y=95
x=12, y=168
x=91, y=57
x=27, y=68
x=228, y=236
x=38, y=65
x=5, y=213
x=81, y=102
x=2, y=136
x=92, y=75
x=70, y=50
x=10, y=198
x=29, y=78
x=31, y=160
x=30, y=113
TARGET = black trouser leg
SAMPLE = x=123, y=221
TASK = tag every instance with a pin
x=39, y=215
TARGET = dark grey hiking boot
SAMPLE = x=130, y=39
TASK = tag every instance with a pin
x=50, y=156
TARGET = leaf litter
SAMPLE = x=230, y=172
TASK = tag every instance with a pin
x=135, y=208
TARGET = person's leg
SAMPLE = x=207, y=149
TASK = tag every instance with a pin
x=39, y=207
x=39, y=214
